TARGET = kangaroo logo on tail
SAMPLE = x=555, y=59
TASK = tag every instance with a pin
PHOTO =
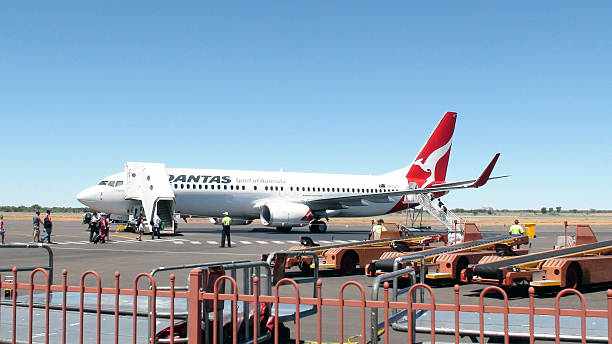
x=429, y=166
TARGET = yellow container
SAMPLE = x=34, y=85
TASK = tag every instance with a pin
x=530, y=231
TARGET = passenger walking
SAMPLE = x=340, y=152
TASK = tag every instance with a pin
x=104, y=224
x=378, y=229
x=225, y=232
x=2, y=228
x=156, y=223
x=48, y=225
x=140, y=227
x=94, y=226
x=516, y=229
x=36, y=222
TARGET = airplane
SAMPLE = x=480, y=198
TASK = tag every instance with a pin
x=283, y=200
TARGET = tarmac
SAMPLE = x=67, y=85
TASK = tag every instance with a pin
x=198, y=243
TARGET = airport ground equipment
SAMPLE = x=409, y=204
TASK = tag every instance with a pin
x=345, y=257
x=474, y=246
x=588, y=262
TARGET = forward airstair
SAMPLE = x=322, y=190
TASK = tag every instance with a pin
x=148, y=183
x=450, y=220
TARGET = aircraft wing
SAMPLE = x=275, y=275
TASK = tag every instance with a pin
x=385, y=197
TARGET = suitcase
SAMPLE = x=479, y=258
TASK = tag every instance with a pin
x=96, y=239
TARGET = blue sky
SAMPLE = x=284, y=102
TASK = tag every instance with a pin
x=338, y=87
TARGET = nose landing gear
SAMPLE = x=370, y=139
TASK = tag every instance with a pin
x=317, y=226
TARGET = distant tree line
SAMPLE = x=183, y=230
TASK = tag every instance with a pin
x=543, y=210
x=35, y=207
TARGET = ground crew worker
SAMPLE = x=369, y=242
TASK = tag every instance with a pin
x=226, y=222
x=516, y=229
x=379, y=228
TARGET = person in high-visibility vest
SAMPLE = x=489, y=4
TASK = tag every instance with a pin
x=379, y=228
x=516, y=229
x=225, y=232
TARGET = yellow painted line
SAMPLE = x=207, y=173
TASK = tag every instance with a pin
x=545, y=283
x=439, y=275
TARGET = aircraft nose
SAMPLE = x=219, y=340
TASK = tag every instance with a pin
x=87, y=196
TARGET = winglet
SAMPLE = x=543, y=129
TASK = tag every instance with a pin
x=484, y=177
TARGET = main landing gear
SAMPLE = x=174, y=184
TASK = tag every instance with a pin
x=317, y=226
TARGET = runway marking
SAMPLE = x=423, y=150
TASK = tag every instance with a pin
x=277, y=242
x=177, y=242
x=212, y=242
x=245, y=242
x=340, y=241
x=325, y=241
x=261, y=242
x=293, y=242
x=196, y=242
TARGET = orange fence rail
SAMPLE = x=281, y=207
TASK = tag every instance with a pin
x=195, y=296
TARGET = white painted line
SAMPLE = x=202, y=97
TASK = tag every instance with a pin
x=354, y=240
x=178, y=242
x=62, y=243
x=277, y=242
x=245, y=242
x=261, y=242
x=212, y=242
x=340, y=241
x=196, y=242
x=82, y=242
x=293, y=242
x=325, y=241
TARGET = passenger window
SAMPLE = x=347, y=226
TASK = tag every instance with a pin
x=255, y=188
x=291, y=188
x=182, y=186
x=200, y=186
x=266, y=188
x=176, y=186
x=224, y=187
x=206, y=187
x=194, y=186
x=276, y=188
x=281, y=188
x=231, y=187
x=187, y=186
x=303, y=188
x=243, y=187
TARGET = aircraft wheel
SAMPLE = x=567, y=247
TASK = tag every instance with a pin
x=318, y=227
x=283, y=229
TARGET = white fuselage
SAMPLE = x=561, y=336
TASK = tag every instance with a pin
x=206, y=192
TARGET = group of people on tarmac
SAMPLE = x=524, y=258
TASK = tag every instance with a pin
x=47, y=225
x=156, y=225
x=99, y=228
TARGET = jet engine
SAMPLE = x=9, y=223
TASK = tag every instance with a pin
x=284, y=214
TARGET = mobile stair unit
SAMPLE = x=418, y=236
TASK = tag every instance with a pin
x=148, y=184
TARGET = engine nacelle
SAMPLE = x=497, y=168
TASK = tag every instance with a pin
x=285, y=214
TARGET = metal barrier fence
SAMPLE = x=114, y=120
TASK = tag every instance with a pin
x=194, y=297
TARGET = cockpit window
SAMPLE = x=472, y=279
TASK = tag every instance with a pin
x=119, y=183
x=104, y=182
x=112, y=183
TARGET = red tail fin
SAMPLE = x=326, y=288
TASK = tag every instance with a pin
x=429, y=166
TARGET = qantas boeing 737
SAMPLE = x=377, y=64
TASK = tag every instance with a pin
x=288, y=199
